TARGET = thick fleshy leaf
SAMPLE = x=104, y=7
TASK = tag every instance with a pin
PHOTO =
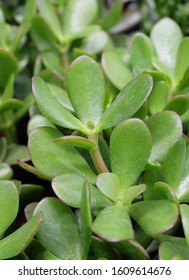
x=182, y=60
x=118, y=229
x=180, y=105
x=16, y=242
x=173, y=164
x=31, y=169
x=9, y=66
x=52, y=61
x=11, y=104
x=113, y=15
x=9, y=202
x=58, y=232
x=128, y=101
x=141, y=52
x=55, y=159
x=109, y=184
x=78, y=15
x=164, y=191
x=183, y=190
x=38, y=121
x=116, y=70
x=52, y=109
x=154, y=216
x=102, y=249
x=86, y=222
x=86, y=89
x=184, y=212
x=30, y=193
x=158, y=97
x=174, y=250
x=9, y=89
x=152, y=175
x=130, y=147
x=47, y=10
x=129, y=194
x=165, y=128
x=68, y=187
x=166, y=36
x=183, y=86
x=16, y=152
x=6, y=171
x=76, y=141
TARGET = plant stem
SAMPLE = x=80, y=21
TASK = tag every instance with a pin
x=96, y=155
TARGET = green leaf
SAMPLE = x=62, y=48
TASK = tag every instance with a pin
x=53, y=158
x=11, y=104
x=86, y=222
x=128, y=101
x=78, y=15
x=183, y=84
x=183, y=190
x=52, y=61
x=68, y=188
x=165, y=128
x=113, y=15
x=30, y=193
x=164, y=191
x=16, y=152
x=86, y=89
x=3, y=148
x=166, y=36
x=184, y=212
x=180, y=105
x=102, y=249
x=47, y=10
x=158, y=97
x=9, y=202
x=172, y=250
x=52, y=109
x=9, y=66
x=38, y=121
x=182, y=62
x=118, y=229
x=173, y=164
x=109, y=184
x=141, y=52
x=77, y=141
x=152, y=175
x=154, y=216
x=6, y=172
x=9, y=89
x=16, y=242
x=58, y=232
x=116, y=70
x=129, y=194
x=130, y=147
x=31, y=169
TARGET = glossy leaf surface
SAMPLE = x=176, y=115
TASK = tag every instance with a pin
x=184, y=212
x=130, y=147
x=164, y=191
x=174, y=250
x=109, y=184
x=180, y=105
x=57, y=217
x=6, y=171
x=182, y=60
x=158, y=97
x=76, y=141
x=183, y=190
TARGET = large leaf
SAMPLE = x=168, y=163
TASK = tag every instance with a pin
x=9, y=66
x=116, y=70
x=142, y=51
x=68, y=187
x=113, y=224
x=51, y=108
x=78, y=15
x=182, y=60
x=173, y=164
x=53, y=158
x=128, y=101
x=165, y=128
x=86, y=89
x=130, y=147
x=15, y=243
x=59, y=232
x=166, y=36
x=9, y=202
x=154, y=216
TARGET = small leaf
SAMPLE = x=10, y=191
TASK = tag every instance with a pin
x=173, y=164
x=9, y=66
x=31, y=169
x=164, y=191
x=16, y=152
x=113, y=15
x=183, y=190
x=6, y=171
x=116, y=70
x=9, y=89
x=102, y=249
x=152, y=175
x=128, y=101
x=68, y=188
x=52, y=109
x=154, y=216
x=129, y=194
x=184, y=212
x=16, y=242
x=166, y=36
x=130, y=147
x=58, y=218
x=182, y=60
x=77, y=141
x=55, y=159
x=165, y=128
x=11, y=104
x=109, y=184
x=173, y=250
x=158, y=97
x=86, y=222
x=9, y=201
x=78, y=15
x=86, y=89
x=52, y=61
x=141, y=52
x=118, y=229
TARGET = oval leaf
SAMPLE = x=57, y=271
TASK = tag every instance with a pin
x=130, y=147
x=182, y=60
x=9, y=65
x=184, y=212
x=109, y=184
x=158, y=97
x=76, y=141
